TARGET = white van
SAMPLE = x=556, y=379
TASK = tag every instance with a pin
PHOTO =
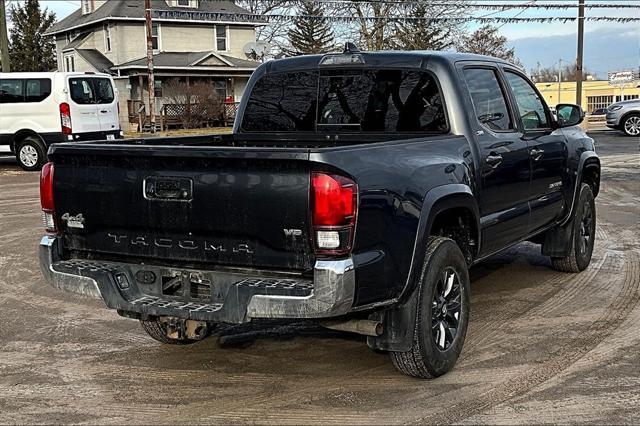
x=41, y=108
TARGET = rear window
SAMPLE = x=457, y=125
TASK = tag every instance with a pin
x=376, y=101
x=91, y=90
x=24, y=90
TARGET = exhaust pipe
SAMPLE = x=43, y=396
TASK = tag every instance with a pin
x=364, y=327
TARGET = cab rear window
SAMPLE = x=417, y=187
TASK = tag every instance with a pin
x=91, y=90
x=372, y=100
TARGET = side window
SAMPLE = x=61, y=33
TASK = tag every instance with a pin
x=103, y=90
x=530, y=107
x=11, y=91
x=488, y=99
x=37, y=90
x=81, y=91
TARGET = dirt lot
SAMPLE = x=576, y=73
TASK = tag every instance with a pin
x=543, y=346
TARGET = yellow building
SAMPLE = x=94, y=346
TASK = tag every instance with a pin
x=595, y=93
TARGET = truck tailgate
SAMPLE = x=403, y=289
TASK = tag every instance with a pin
x=234, y=207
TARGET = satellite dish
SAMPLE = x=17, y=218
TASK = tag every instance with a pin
x=256, y=49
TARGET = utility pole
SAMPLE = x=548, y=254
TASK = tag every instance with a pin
x=4, y=39
x=559, y=80
x=580, y=52
x=150, y=79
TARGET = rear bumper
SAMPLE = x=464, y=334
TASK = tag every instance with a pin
x=51, y=138
x=233, y=297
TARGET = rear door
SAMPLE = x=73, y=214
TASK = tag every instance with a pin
x=107, y=101
x=82, y=101
x=504, y=167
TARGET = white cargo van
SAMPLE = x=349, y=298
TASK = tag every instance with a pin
x=41, y=108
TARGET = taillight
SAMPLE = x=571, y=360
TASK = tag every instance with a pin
x=65, y=118
x=46, y=198
x=334, y=201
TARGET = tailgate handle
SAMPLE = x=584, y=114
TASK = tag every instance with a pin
x=168, y=188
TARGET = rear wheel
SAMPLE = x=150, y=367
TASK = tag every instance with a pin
x=31, y=153
x=583, y=235
x=631, y=125
x=442, y=314
x=173, y=333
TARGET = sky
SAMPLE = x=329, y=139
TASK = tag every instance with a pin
x=523, y=35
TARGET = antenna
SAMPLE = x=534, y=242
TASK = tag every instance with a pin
x=256, y=49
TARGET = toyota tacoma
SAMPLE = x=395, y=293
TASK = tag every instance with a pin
x=355, y=190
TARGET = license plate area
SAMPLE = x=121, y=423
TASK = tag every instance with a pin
x=111, y=137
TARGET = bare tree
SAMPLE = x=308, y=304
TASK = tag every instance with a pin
x=194, y=104
x=486, y=41
x=550, y=74
x=276, y=32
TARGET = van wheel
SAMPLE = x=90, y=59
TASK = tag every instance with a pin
x=31, y=153
x=583, y=235
x=442, y=314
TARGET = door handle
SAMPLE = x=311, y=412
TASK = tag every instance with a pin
x=536, y=153
x=104, y=111
x=493, y=159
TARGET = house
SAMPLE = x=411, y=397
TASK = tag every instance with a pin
x=192, y=39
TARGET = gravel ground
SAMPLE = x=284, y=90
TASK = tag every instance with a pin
x=543, y=346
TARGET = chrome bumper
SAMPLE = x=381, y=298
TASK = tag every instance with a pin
x=332, y=293
x=49, y=255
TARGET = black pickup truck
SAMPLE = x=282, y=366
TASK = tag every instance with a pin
x=356, y=190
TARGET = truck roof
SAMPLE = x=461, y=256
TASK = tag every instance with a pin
x=402, y=59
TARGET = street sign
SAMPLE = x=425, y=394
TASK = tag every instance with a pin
x=621, y=77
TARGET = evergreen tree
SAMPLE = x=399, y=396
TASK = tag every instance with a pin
x=29, y=50
x=422, y=34
x=309, y=36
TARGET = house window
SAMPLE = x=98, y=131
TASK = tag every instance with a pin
x=155, y=36
x=107, y=38
x=598, y=102
x=70, y=63
x=157, y=88
x=220, y=89
x=221, y=38
x=87, y=6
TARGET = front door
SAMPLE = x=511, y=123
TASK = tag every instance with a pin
x=547, y=150
x=505, y=166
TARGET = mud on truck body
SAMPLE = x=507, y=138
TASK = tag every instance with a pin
x=356, y=189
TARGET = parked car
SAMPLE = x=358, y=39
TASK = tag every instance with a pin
x=356, y=189
x=38, y=109
x=625, y=116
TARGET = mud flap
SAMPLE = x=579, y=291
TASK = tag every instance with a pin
x=399, y=326
x=557, y=241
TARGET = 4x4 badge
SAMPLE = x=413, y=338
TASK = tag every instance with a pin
x=74, y=221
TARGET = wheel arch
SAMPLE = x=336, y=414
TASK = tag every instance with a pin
x=21, y=134
x=438, y=203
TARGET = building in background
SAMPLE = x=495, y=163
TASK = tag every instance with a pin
x=596, y=94
x=193, y=40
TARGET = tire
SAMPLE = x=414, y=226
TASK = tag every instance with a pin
x=583, y=235
x=31, y=153
x=157, y=330
x=434, y=350
x=631, y=125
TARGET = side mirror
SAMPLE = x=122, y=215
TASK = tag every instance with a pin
x=569, y=115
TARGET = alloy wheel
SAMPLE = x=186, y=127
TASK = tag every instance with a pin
x=586, y=229
x=28, y=155
x=446, y=308
x=632, y=126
